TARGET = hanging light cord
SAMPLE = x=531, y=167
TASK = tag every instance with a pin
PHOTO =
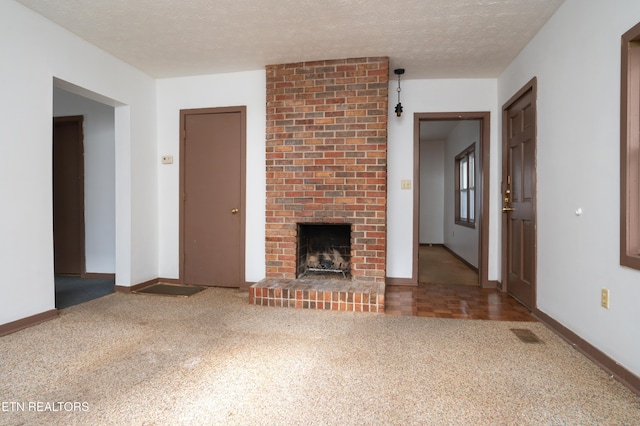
x=399, y=72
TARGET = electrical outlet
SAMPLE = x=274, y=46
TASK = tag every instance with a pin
x=604, y=298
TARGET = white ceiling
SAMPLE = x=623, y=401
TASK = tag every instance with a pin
x=438, y=130
x=429, y=38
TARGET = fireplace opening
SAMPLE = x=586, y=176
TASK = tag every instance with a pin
x=324, y=250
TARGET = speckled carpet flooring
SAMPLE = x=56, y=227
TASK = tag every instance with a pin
x=213, y=359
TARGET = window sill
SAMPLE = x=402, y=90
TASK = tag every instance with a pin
x=471, y=225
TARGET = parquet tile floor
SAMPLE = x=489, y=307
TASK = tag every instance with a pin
x=441, y=295
x=454, y=301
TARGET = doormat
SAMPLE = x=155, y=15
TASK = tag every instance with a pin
x=171, y=290
x=527, y=336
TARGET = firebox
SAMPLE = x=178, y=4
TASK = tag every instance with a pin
x=324, y=250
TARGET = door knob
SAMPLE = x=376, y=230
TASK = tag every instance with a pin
x=234, y=211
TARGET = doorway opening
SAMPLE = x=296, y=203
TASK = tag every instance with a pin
x=451, y=152
x=84, y=198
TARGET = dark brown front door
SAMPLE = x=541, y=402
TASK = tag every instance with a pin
x=212, y=171
x=68, y=196
x=519, y=192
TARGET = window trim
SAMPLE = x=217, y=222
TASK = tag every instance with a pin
x=465, y=154
x=630, y=149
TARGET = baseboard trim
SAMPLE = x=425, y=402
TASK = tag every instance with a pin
x=460, y=258
x=169, y=281
x=125, y=289
x=136, y=287
x=99, y=275
x=407, y=282
x=602, y=360
x=246, y=285
x=23, y=323
x=493, y=284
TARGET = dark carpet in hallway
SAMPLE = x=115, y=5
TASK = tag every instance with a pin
x=72, y=290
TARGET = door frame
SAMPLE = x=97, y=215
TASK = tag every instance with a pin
x=243, y=174
x=79, y=121
x=482, y=187
x=531, y=85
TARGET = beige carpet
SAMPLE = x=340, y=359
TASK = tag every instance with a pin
x=214, y=359
x=436, y=265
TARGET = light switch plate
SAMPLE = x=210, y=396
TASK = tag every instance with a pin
x=604, y=298
x=167, y=159
x=405, y=184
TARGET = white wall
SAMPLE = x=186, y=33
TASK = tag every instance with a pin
x=432, y=191
x=461, y=95
x=576, y=58
x=99, y=174
x=437, y=191
x=34, y=51
x=462, y=240
x=222, y=90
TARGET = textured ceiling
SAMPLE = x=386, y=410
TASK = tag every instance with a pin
x=429, y=38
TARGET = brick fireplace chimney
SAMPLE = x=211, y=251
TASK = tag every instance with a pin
x=326, y=151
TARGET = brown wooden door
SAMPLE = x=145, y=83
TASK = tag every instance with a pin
x=519, y=192
x=68, y=196
x=213, y=196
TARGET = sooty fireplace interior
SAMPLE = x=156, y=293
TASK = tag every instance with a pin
x=324, y=250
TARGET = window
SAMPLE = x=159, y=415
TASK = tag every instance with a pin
x=630, y=150
x=466, y=187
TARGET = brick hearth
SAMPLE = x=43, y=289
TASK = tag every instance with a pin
x=326, y=150
x=318, y=294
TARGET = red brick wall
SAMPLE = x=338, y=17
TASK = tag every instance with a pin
x=327, y=159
